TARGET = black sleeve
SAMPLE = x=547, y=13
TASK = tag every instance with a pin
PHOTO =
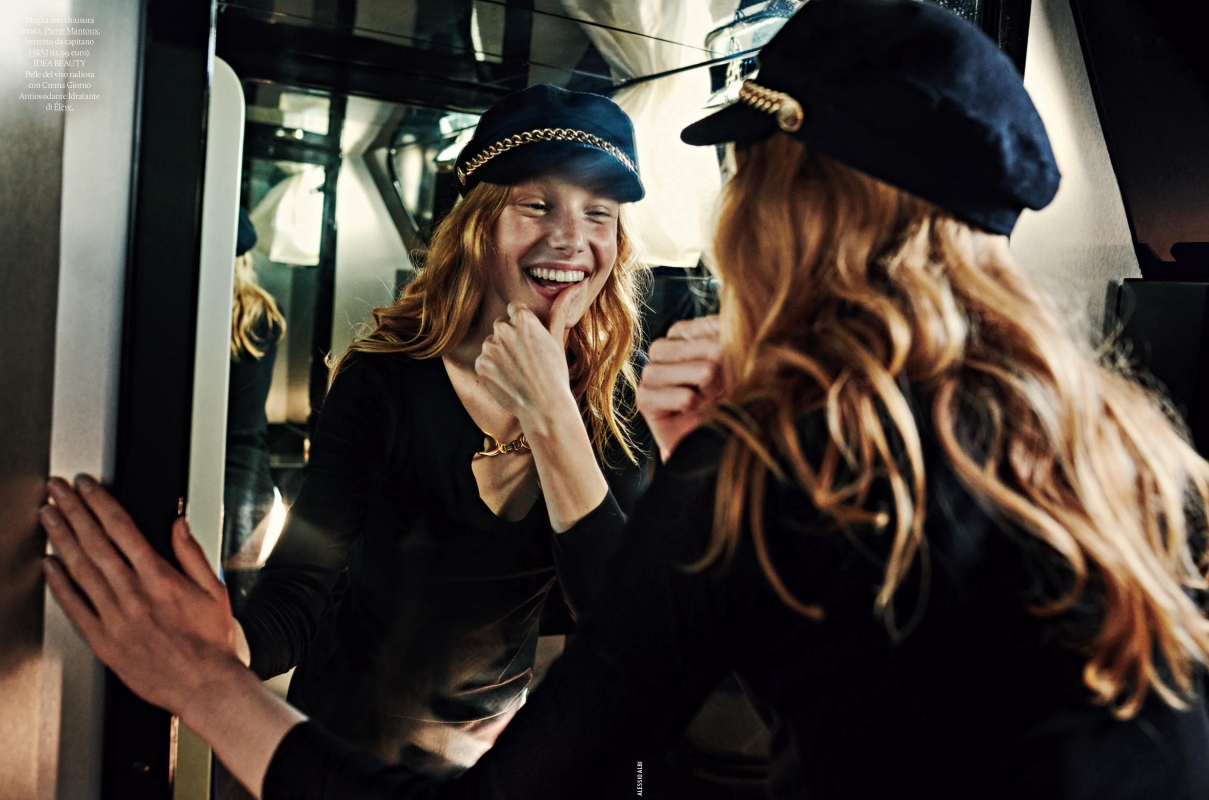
x=582, y=551
x=640, y=668
x=345, y=471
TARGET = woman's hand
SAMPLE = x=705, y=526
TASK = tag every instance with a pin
x=164, y=633
x=524, y=366
x=169, y=636
x=682, y=380
x=524, y=363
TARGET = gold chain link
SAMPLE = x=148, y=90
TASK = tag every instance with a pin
x=542, y=135
x=787, y=110
x=516, y=445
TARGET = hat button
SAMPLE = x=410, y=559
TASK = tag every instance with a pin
x=790, y=115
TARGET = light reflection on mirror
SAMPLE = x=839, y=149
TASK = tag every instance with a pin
x=426, y=144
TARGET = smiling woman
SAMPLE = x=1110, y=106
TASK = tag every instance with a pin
x=412, y=573
x=555, y=233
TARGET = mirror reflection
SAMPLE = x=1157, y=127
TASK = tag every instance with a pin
x=407, y=548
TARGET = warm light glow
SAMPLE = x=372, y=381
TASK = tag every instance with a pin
x=276, y=523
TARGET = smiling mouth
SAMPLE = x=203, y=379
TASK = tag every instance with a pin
x=554, y=280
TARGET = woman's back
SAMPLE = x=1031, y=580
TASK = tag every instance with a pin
x=980, y=698
x=976, y=697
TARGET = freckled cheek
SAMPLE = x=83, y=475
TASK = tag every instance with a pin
x=598, y=280
x=512, y=251
x=604, y=251
x=514, y=238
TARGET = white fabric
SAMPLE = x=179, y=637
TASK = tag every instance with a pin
x=289, y=220
x=682, y=182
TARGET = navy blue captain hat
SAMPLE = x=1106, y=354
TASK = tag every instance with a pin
x=904, y=91
x=545, y=128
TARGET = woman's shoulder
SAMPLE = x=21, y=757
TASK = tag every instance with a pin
x=383, y=380
x=385, y=365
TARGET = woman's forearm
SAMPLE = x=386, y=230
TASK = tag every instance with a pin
x=571, y=480
x=242, y=721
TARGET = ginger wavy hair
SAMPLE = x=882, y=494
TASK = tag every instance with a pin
x=438, y=309
x=836, y=287
x=249, y=303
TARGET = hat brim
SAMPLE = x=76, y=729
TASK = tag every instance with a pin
x=737, y=122
x=581, y=162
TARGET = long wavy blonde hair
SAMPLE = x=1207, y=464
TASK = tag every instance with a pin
x=249, y=303
x=836, y=287
x=438, y=309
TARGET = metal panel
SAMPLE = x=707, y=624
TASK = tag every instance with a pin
x=97, y=162
x=31, y=142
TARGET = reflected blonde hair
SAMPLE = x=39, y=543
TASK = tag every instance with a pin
x=249, y=303
x=836, y=287
x=438, y=309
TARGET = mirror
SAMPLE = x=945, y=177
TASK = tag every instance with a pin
x=342, y=189
x=355, y=114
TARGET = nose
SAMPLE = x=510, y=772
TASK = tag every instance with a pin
x=566, y=232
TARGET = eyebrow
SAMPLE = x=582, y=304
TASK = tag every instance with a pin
x=539, y=187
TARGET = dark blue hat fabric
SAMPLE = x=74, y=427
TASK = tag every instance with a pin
x=543, y=127
x=910, y=94
x=245, y=238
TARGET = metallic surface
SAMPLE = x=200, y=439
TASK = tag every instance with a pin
x=31, y=158
x=97, y=163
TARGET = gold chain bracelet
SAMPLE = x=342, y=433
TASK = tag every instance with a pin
x=515, y=446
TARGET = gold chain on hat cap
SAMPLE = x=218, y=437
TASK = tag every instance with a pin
x=788, y=111
x=542, y=135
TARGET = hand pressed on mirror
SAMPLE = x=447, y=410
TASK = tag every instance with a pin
x=132, y=590
x=682, y=380
x=168, y=635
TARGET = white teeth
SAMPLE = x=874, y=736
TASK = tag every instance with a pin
x=557, y=275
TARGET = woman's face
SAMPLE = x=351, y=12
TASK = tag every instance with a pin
x=552, y=235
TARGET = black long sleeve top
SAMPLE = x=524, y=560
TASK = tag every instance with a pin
x=249, y=384
x=409, y=608
x=980, y=699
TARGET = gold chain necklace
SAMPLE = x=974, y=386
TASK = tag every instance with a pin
x=515, y=446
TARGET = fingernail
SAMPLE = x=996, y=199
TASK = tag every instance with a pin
x=48, y=516
x=85, y=483
x=56, y=487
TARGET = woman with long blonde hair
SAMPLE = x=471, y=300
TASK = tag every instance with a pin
x=475, y=453
x=257, y=326
x=950, y=553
